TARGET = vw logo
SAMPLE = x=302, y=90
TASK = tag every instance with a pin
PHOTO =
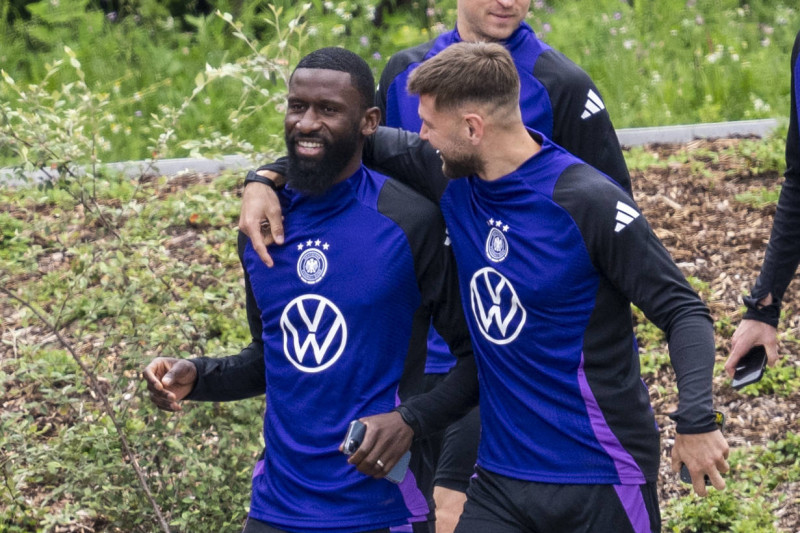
x=498, y=312
x=314, y=333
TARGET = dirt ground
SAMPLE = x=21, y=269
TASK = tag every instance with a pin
x=721, y=241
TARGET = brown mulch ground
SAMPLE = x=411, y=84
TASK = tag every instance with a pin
x=721, y=241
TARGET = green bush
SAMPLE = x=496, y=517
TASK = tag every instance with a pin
x=656, y=63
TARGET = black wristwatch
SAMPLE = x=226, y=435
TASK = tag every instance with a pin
x=252, y=176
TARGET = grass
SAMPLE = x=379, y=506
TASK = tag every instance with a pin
x=667, y=63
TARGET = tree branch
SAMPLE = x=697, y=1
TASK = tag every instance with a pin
x=95, y=385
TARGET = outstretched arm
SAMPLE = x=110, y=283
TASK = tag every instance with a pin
x=657, y=287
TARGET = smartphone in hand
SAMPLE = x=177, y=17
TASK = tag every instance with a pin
x=354, y=437
x=750, y=368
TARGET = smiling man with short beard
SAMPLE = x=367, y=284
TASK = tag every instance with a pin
x=338, y=324
x=318, y=153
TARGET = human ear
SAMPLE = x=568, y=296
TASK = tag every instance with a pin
x=370, y=121
x=475, y=127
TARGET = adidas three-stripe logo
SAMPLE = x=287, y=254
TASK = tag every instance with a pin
x=625, y=215
x=594, y=104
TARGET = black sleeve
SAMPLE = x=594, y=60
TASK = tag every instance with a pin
x=407, y=158
x=398, y=63
x=628, y=254
x=437, y=279
x=237, y=376
x=581, y=123
x=448, y=402
x=279, y=166
x=783, y=250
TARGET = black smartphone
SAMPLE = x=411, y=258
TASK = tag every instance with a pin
x=352, y=440
x=719, y=418
x=750, y=367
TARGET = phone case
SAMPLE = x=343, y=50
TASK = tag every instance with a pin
x=750, y=367
x=355, y=434
x=398, y=472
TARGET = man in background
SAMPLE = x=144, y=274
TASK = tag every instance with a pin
x=760, y=324
x=551, y=253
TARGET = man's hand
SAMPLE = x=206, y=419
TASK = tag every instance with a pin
x=752, y=333
x=705, y=454
x=169, y=381
x=261, y=218
x=387, y=438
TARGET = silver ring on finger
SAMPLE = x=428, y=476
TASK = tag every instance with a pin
x=380, y=464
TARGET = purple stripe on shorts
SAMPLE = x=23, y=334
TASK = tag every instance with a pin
x=412, y=496
x=627, y=469
x=633, y=502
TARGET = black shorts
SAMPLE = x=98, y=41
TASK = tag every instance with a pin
x=257, y=526
x=455, y=450
x=503, y=505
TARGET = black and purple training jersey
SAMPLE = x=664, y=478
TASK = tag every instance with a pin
x=343, y=316
x=549, y=259
x=557, y=98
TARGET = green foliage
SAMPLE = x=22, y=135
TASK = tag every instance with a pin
x=780, y=380
x=53, y=129
x=148, y=267
x=647, y=334
x=742, y=507
x=640, y=158
x=669, y=63
x=760, y=198
x=762, y=156
x=653, y=361
x=12, y=242
x=145, y=62
x=660, y=63
x=734, y=511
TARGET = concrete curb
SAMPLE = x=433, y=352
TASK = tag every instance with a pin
x=689, y=132
x=628, y=137
x=160, y=167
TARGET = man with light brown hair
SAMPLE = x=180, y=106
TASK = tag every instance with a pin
x=551, y=253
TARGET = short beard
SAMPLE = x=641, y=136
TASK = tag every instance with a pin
x=316, y=177
x=461, y=165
